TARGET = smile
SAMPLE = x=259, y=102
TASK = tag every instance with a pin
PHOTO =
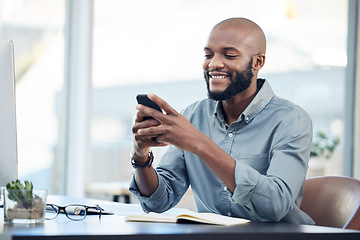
x=218, y=81
x=218, y=76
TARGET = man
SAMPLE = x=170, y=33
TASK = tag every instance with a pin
x=244, y=151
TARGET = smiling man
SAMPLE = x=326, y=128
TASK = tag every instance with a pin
x=244, y=151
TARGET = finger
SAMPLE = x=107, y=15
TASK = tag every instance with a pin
x=148, y=141
x=141, y=116
x=162, y=104
x=161, y=140
x=148, y=132
x=144, y=124
x=145, y=113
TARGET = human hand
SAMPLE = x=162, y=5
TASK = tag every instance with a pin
x=142, y=143
x=169, y=127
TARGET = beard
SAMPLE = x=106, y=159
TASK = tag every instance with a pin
x=239, y=83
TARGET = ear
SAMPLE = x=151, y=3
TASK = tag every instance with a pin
x=259, y=61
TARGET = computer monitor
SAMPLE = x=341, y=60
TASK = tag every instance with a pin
x=8, y=140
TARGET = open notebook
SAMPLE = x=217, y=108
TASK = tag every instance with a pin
x=187, y=216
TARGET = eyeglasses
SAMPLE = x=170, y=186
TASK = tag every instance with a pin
x=74, y=212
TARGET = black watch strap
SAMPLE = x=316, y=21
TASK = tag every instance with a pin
x=148, y=162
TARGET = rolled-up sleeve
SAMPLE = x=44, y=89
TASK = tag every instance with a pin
x=270, y=196
x=153, y=202
x=270, y=143
x=173, y=183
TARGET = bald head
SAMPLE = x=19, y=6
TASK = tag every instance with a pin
x=250, y=33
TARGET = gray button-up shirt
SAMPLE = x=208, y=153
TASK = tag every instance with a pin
x=271, y=145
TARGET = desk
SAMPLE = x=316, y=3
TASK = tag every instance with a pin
x=112, y=227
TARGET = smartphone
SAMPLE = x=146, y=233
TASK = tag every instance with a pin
x=144, y=100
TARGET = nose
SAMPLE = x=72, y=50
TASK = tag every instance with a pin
x=215, y=63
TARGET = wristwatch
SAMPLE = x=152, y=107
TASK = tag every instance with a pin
x=148, y=162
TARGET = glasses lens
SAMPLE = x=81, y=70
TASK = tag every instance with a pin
x=51, y=211
x=75, y=212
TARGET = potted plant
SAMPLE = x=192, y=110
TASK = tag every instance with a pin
x=323, y=146
x=322, y=150
x=23, y=203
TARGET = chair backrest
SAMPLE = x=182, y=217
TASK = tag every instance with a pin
x=333, y=201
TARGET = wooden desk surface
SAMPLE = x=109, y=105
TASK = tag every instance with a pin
x=114, y=227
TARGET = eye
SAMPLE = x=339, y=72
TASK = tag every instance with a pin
x=208, y=56
x=230, y=56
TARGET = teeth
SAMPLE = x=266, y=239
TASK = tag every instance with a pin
x=218, y=77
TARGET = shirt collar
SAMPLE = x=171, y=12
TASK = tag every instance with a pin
x=261, y=99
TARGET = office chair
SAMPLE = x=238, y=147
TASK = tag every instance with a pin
x=333, y=201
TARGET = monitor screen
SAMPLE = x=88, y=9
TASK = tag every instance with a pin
x=8, y=140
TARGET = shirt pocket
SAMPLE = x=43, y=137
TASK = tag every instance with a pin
x=259, y=162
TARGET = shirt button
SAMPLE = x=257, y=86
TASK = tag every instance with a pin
x=225, y=189
x=229, y=214
x=230, y=135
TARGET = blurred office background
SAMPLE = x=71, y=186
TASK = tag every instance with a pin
x=79, y=65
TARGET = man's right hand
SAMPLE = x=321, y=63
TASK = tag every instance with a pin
x=146, y=178
x=142, y=143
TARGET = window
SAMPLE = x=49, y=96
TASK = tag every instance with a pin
x=156, y=46
x=36, y=28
